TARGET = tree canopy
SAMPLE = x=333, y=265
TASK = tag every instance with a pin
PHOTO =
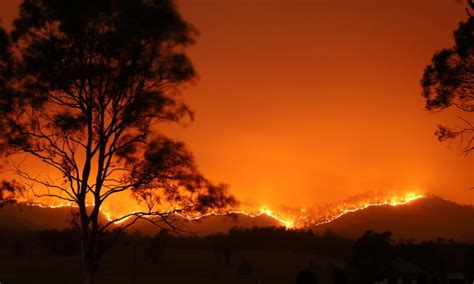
x=85, y=87
x=449, y=82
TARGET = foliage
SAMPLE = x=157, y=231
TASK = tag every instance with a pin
x=85, y=87
x=10, y=192
x=449, y=81
x=373, y=252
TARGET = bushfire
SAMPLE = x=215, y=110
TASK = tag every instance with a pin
x=288, y=218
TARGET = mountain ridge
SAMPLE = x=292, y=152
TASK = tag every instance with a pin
x=425, y=218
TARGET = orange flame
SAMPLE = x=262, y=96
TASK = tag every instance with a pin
x=293, y=219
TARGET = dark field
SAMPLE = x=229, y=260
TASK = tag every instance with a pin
x=257, y=255
x=176, y=266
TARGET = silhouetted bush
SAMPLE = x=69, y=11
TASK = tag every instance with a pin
x=156, y=248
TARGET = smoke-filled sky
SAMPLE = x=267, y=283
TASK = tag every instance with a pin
x=307, y=102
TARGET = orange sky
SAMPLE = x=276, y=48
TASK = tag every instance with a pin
x=307, y=102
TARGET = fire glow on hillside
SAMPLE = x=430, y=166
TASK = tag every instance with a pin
x=301, y=218
x=289, y=218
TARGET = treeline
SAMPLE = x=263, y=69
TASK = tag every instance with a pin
x=438, y=255
x=56, y=242
x=371, y=250
x=375, y=252
x=268, y=238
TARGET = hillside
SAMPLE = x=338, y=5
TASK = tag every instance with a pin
x=18, y=217
x=426, y=218
x=422, y=219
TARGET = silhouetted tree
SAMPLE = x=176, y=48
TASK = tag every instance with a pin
x=471, y=6
x=6, y=75
x=372, y=254
x=157, y=246
x=88, y=84
x=221, y=245
x=10, y=192
x=449, y=82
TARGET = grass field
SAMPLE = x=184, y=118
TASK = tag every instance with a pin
x=175, y=266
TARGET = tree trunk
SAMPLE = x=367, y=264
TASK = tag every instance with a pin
x=89, y=265
x=90, y=257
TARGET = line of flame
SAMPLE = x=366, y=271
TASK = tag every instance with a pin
x=289, y=222
x=396, y=201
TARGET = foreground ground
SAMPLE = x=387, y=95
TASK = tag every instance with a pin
x=176, y=266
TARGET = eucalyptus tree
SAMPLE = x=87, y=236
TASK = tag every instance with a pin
x=87, y=88
x=449, y=82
